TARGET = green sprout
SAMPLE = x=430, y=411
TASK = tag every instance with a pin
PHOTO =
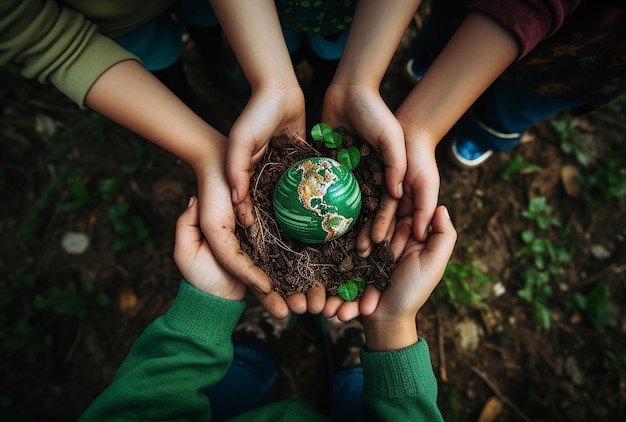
x=350, y=290
x=322, y=132
x=349, y=157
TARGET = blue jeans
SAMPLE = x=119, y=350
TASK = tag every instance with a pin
x=325, y=49
x=158, y=42
x=251, y=375
x=506, y=108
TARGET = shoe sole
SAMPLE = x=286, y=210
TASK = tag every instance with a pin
x=463, y=163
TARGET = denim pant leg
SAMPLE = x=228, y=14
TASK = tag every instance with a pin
x=157, y=43
x=195, y=13
x=508, y=109
x=346, y=404
x=246, y=384
x=436, y=31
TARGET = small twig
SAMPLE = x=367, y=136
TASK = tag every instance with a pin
x=613, y=269
x=498, y=393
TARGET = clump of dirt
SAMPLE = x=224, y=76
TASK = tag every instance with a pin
x=294, y=266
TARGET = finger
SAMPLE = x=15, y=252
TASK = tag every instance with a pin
x=297, y=303
x=245, y=212
x=393, y=151
x=391, y=231
x=274, y=303
x=188, y=230
x=316, y=298
x=332, y=306
x=239, y=162
x=369, y=301
x=364, y=245
x=401, y=237
x=236, y=262
x=348, y=311
x=424, y=204
x=384, y=218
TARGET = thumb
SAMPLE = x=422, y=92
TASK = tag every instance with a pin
x=442, y=239
x=188, y=230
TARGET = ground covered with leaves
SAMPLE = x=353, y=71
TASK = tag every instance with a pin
x=526, y=324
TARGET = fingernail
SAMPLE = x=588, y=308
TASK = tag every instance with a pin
x=399, y=190
x=234, y=196
x=191, y=200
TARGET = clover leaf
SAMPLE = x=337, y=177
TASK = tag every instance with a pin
x=349, y=157
x=323, y=132
x=349, y=290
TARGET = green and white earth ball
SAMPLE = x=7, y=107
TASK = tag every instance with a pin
x=316, y=200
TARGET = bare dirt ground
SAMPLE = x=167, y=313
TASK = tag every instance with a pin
x=63, y=171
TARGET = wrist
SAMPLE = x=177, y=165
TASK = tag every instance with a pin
x=388, y=335
x=210, y=157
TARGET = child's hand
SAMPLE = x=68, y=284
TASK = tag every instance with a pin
x=196, y=261
x=389, y=316
x=421, y=186
x=362, y=110
x=269, y=113
x=217, y=219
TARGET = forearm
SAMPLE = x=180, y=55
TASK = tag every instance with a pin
x=254, y=33
x=178, y=355
x=374, y=36
x=477, y=54
x=131, y=96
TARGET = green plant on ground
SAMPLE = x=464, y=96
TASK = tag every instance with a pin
x=605, y=183
x=349, y=157
x=464, y=286
x=129, y=227
x=80, y=195
x=71, y=301
x=541, y=261
x=20, y=336
x=25, y=321
x=619, y=360
x=518, y=165
x=572, y=141
x=612, y=114
x=597, y=308
x=94, y=126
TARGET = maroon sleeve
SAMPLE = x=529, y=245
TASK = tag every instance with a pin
x=529, y=20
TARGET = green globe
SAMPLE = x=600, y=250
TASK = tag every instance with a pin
x=316, y=200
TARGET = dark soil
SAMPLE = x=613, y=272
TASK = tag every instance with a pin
x=63, y=170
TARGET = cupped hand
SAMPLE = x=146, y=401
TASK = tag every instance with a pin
x=196, y=261
x=217, y=220
x=389, y=316
x=362, y=110
x=270, y=112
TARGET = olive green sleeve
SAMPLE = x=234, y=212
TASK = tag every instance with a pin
x=56, y=45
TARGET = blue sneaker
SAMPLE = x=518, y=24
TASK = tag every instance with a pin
x=413, y=74
x=467, y=154
x=475, y=142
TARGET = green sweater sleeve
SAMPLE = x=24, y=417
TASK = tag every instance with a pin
x=400, y=385
x=56, y=45
x=179, y=354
